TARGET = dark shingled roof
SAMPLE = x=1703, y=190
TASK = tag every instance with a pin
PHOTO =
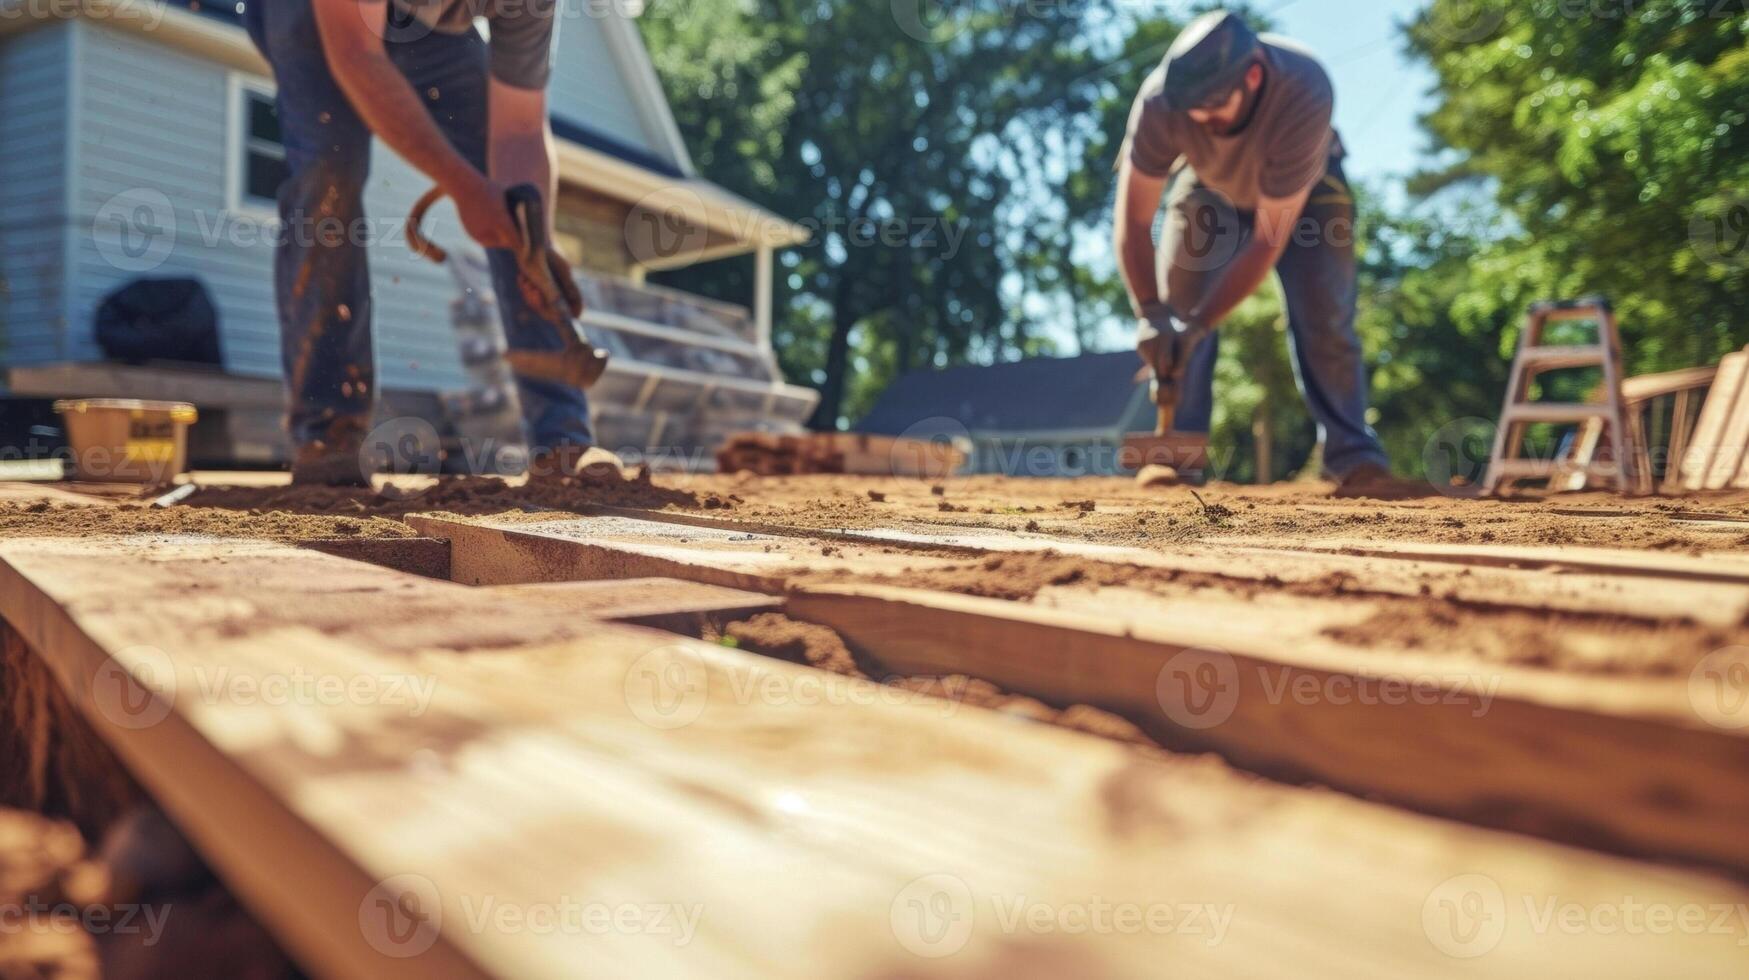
x=581, y=133
x=1041, y=394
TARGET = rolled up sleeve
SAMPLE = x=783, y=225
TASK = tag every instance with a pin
x=522, y=44
x=1148, y=143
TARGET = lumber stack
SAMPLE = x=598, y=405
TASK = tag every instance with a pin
x=768, y=454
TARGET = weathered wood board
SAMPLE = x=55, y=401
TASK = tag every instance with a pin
x=557, y=782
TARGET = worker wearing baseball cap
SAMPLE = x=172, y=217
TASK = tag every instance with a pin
x=1240, y=128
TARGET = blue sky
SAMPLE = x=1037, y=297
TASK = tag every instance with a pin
x=1379, y=91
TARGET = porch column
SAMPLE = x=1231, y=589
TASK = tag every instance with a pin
x=762, y=272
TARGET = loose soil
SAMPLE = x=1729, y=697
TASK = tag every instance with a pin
x=1123, y=513
x=778, y=636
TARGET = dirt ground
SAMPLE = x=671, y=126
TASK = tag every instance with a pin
x=1098, y=510
x=1439, y=610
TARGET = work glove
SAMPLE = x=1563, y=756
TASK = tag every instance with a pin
x=1165, y=342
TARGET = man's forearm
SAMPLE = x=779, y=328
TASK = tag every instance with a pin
x=1137, y=258
x=529, y=158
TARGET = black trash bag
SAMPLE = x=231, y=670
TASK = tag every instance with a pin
x=159, y=320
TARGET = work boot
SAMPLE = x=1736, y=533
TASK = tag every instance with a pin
x=591, y=464
x=335, y=459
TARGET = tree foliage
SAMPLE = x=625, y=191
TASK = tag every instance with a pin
x=922, y=143
x=1611, y=134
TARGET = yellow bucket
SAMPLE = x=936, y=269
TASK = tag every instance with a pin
x=123, y=440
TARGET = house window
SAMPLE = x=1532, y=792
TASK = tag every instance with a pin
x=258, y=158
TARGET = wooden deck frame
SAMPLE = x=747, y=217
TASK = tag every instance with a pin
x=1125, y=657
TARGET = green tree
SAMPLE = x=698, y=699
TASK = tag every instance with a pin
x=1612, y=136
x=925, y=144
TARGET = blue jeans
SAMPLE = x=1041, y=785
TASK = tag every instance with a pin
x=1204, y=232
x=321, y=271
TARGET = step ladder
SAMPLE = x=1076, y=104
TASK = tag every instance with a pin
x=1599, y=421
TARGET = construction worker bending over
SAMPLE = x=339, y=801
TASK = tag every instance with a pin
x=1240, y=125
x=471, y=115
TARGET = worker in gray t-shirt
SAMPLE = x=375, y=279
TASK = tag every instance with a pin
x=468, y=112
x=1240, y=126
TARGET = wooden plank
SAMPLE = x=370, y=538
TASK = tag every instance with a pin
x=674, y=605
x=1708, y=445
x=1615, y=586
x=1645, y=387
x=416, y=556
x=1732, y=568
x=512, y=550
x=846, y=836
x=1732, y=442
x=20, y=493
x=1491, y=744
x=1632, y=719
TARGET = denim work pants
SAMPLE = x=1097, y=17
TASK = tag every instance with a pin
x=322, y=280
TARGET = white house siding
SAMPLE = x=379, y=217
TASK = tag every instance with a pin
x=149, y=119
x=589, y=84
x=33, y=126
x=152, y=117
